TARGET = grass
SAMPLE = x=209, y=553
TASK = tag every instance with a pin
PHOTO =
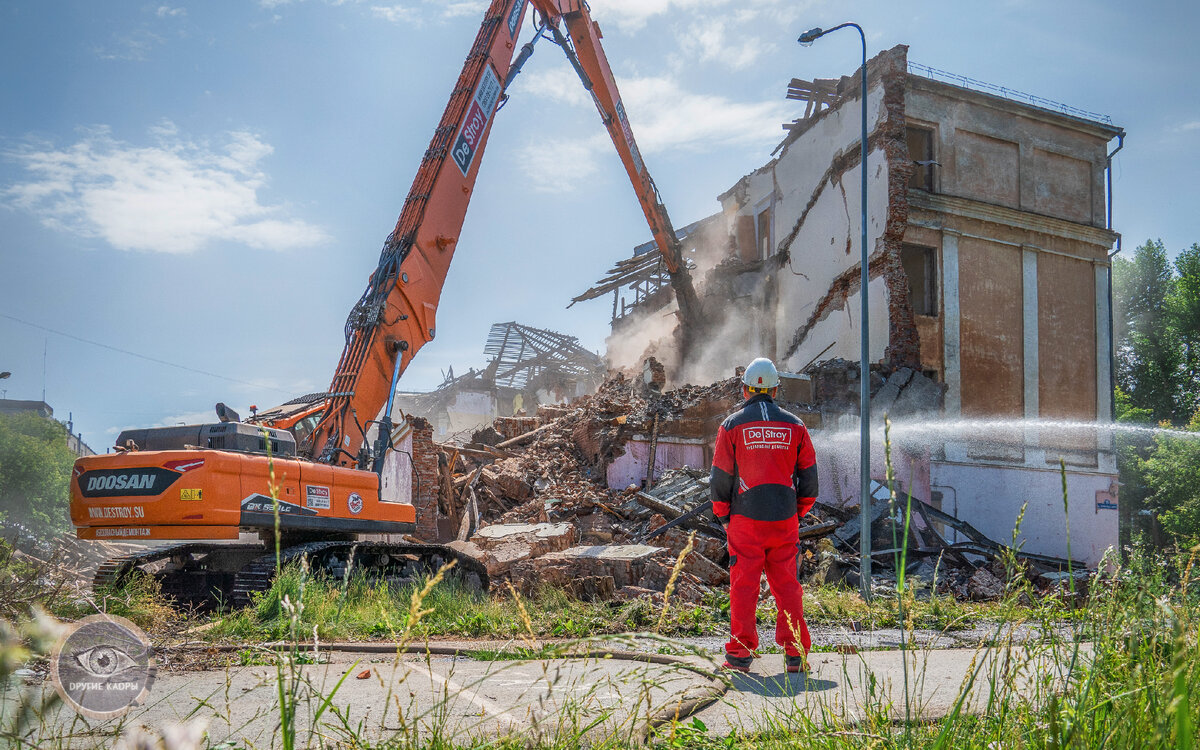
x=1119, y=666
x=362, y=609
x=138, y=599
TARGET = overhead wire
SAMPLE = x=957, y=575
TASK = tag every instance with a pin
x=119, y=350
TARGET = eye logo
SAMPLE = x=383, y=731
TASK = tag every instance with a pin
x=103, y=666
x=102, y=661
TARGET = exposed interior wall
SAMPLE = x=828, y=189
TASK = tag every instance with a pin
x=630, y=467
x=813, y=193
x=469, y=410
x=396, y=479
x=838, y=335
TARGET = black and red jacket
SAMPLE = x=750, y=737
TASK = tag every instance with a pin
x=764, y=467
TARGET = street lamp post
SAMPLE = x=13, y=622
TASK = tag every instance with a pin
x=864, y=368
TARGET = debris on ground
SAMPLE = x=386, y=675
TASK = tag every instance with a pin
x=49, y=570
x=531, y=498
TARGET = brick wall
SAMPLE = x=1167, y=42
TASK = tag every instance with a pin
x=425, y=491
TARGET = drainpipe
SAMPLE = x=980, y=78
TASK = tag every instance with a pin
x=1112, y=352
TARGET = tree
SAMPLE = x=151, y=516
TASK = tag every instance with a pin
x=1133, y=448
x=1172, y=473
x=1183, y=305
x=1149, y=350
x=35, y=473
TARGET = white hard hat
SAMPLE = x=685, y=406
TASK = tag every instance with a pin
x=761, y=373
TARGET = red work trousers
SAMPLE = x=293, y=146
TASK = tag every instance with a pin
x=753, y=547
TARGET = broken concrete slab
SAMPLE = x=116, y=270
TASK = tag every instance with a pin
x=624, y=562
x=500, y=558
x=884, y=400
x=504, y=545
x=609, y=552
x=919, y=396
x=466, y=548
x=504, y=532
x=593, y=588
x=901, y=377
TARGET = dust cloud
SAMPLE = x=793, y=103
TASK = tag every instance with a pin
x=737, y=328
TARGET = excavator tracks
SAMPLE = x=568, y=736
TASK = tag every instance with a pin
x=208, y=576
x=194, y=574
x=393, y=563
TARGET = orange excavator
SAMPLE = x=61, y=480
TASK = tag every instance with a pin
x=314, y=475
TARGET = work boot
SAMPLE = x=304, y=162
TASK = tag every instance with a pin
x=737, y=663
x=796, y=663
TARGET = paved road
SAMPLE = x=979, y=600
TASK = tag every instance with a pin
x=461, y=697
x=457, y=697
x=846, y=687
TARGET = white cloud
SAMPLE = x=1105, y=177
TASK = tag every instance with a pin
x=561, y=166
x=395, y=13
x=1188, y=126
x=632, y=15
x=166, y=11
x=664, y=118
x=558, y=83
x=133, y=46
x=175, y=196
x=713, y=40
x=404, y=12
x=457, y=8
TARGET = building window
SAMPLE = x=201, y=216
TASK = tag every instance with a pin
x=762, y=231
x=920, y=150
x=920, y=264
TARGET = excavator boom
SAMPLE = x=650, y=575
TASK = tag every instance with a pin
x=586, y=54
x=396, y=315
x=298, y=473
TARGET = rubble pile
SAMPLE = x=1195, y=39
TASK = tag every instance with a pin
x=529, y=499
x=901, y=392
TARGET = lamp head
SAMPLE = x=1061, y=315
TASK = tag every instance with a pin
x=807, y=38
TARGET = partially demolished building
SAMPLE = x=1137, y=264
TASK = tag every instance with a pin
x=990, y=333
x=989, y=236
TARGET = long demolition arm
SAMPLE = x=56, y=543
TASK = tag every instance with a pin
x=395, y=316
x=590, y=63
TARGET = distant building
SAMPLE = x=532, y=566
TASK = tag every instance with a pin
x=14, y=406
x=74, y=441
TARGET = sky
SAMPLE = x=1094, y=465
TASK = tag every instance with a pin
x=192, y=194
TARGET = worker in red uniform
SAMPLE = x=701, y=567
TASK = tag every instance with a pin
x=764, y=478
